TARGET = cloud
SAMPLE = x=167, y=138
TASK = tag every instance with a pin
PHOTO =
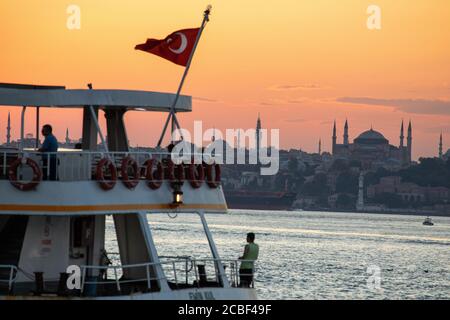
x=272, y=102
x=296, y=101
x=280, y=102
x=206, y=99
x=417, y=106
x=288, y=87
x=438, y=129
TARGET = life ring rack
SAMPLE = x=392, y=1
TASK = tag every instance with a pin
x=106, y=163
x=154, y=178
x=213, y=180
x=37, y=174
x=130, y=181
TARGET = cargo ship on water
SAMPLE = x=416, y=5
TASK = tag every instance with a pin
x=259, y=200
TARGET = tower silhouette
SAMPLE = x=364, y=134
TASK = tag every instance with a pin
x=402, y=137
x=409, y=141
x=8, y=130
x=346, y=133
x=334, y=138
x=258, y=136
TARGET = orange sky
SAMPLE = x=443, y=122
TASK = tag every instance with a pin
x=293, y=61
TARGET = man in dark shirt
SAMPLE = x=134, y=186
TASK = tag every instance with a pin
x=50, y=145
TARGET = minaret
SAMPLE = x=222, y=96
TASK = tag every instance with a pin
x=402, y=137
x=333, y=150
x=320, y=146
x=8, y=130
x=346, y=133
x=258, y=135
x=67, y=136
x=409, y=142
x=440, y=146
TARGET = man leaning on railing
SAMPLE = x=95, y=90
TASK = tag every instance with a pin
x=50, y=145
x=251, y=253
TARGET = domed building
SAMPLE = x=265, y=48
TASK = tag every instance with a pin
x=372, y=149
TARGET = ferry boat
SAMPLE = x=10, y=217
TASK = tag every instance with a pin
x=53, y=208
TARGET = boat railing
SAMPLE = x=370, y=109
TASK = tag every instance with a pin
x=179, y=271
x=77, y=165
x=11, y=272
x=231, y=269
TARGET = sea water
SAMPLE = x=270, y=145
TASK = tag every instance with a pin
x=320, y=255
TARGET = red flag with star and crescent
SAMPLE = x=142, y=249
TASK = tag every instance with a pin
x=176, y=47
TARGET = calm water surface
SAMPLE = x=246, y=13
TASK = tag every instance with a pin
x=322, y=255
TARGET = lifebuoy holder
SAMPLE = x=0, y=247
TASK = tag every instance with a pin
x=130, y=181
x=106, y=163
x=196, y=175
x=213, y=180
x=37, y=174
x=154, y=178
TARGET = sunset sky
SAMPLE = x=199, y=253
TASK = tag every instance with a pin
x=299, y=63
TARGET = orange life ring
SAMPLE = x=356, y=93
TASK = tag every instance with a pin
x=154, y=179
x=100, y=174
x=196, y=175
x=129, y=162
x=213, y=182
x=37, y=174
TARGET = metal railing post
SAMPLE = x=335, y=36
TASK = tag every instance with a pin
x=175, y=273
x=10, y=282
x=149, y=282
x=116, y=279
x=215, y=253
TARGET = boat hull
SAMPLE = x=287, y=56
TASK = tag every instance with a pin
x=182, y=294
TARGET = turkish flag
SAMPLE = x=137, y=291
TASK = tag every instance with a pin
x=176, y=47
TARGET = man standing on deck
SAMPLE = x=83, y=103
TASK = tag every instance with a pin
x=251, y=252
x=49, y=160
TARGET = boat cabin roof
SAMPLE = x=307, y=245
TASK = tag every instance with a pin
x=60, y=97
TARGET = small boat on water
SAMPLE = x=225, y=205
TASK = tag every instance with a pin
x=428, y=222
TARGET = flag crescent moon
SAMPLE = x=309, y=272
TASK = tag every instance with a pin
x=183, y=45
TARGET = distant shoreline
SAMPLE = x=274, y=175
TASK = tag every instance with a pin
x=403, y=213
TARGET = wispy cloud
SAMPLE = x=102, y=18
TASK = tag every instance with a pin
x=437, y=129
x=417, y=106
x=297, y=101
x=280, y=102
x=206, y=99
x=294, y=87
